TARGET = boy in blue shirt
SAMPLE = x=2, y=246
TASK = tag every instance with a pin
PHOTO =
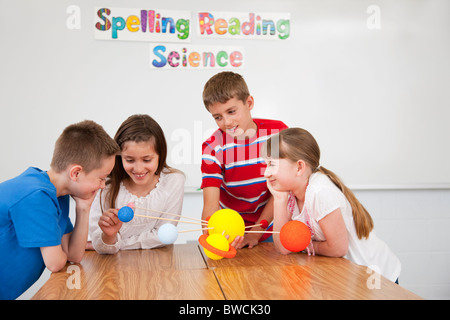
x=35, y=229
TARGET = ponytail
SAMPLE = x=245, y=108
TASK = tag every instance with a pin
x=361, y=217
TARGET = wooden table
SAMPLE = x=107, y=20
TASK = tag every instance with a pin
x=262, y=273
x=183, y=272
x=173, y=272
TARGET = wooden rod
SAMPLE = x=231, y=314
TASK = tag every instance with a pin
x=168, y=219
x=195, y=230
x=172, y=214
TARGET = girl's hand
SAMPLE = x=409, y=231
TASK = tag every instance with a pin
x=89, y=246
x=109, y=222
x=277, y=195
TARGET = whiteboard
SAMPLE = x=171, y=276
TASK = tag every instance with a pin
x=372, y=84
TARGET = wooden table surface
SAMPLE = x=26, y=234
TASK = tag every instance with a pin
x=183, y=272
x=176, y=272
x=262, y=273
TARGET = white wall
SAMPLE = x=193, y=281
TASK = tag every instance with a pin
x=371, y=97
x=415, y=224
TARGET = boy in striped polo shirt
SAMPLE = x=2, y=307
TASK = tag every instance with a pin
x=232, y=166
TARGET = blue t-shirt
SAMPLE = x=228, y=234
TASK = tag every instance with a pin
x=31, y=216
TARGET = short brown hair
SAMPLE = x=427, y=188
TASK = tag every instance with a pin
x=223, y=87
x=86, y=144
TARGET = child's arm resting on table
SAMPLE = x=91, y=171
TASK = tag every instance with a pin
x=73, y=244
x=54, y=257
x=335, y=232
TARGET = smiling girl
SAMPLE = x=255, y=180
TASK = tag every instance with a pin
x=303, y=190
x=141, y=176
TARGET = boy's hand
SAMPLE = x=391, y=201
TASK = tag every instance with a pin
x=247, y=240
x=109, y=222
x=84, y=205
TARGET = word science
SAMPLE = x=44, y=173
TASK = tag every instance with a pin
x=177, y=56
x=142, y=25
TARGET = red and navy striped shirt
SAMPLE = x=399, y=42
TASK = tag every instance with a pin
x=237, y=168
